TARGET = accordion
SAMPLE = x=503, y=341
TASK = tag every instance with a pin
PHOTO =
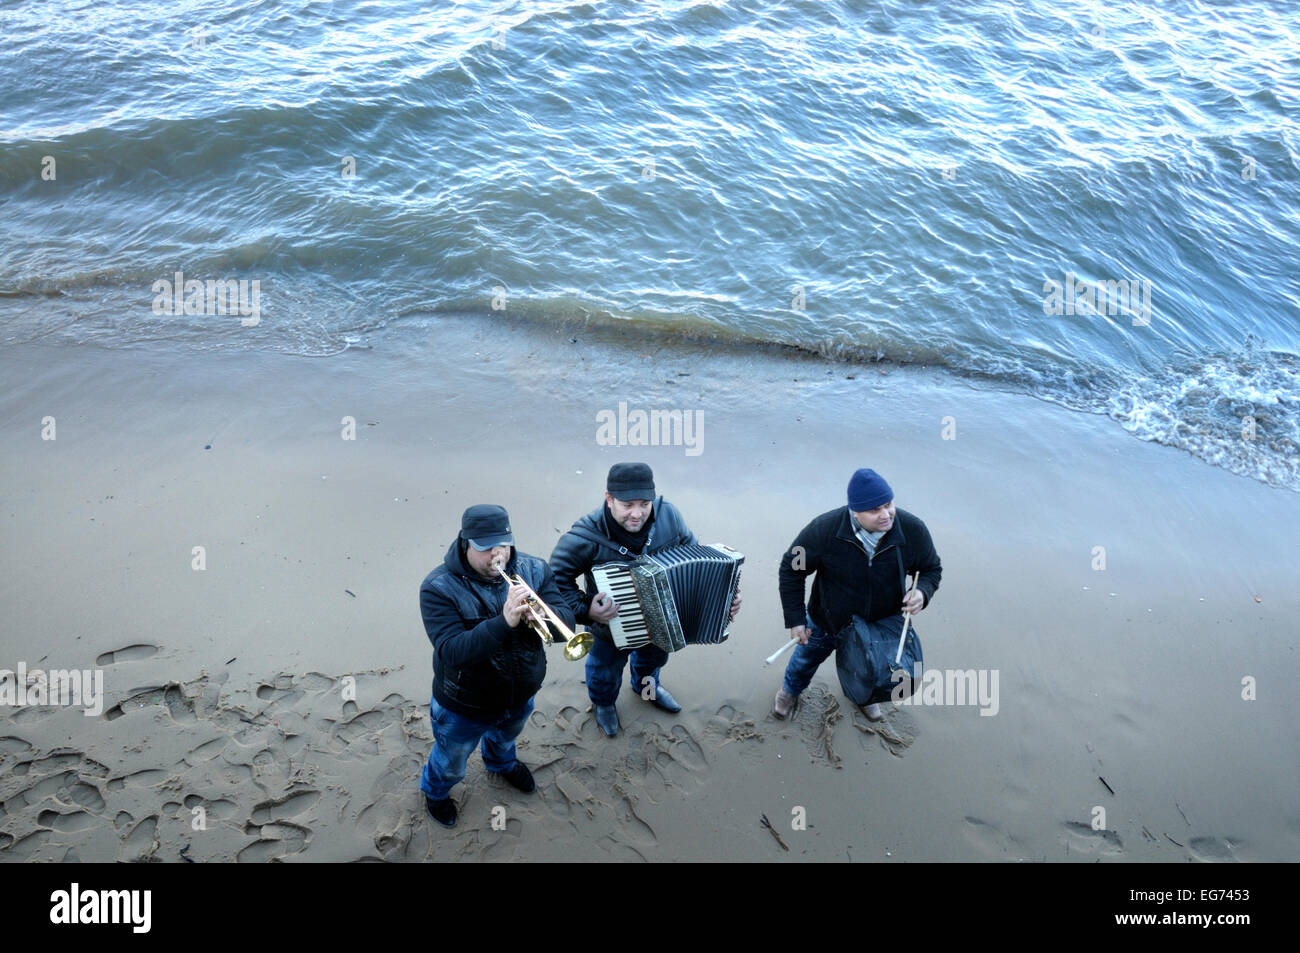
x=672, y=598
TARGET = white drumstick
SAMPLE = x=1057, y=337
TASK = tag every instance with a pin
x=907, y=620
x=777, y=654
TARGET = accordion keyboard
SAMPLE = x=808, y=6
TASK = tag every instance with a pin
x=672, y=597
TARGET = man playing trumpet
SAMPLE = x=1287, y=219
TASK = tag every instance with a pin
x=487, y=662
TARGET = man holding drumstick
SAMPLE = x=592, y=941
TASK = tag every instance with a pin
x=859, y=554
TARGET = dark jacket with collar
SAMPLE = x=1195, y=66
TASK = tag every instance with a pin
x=589, y=542
x=482, y=667
x=847, y=582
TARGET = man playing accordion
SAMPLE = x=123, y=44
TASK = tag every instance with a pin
x=630, y=522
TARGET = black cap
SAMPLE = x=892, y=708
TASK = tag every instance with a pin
x=631, y=481
x=485, y=526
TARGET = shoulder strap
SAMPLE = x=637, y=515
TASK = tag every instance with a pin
x=583, y=533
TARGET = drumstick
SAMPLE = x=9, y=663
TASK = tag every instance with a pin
x=907, y=617
x=777, y=654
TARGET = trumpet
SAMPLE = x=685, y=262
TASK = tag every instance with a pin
x=576, y=644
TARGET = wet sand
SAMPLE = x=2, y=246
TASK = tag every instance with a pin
x=230, y=689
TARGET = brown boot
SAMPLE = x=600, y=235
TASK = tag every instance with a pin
x=874, y=712
x=785, y=703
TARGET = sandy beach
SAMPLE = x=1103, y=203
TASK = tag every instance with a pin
x=273, y=705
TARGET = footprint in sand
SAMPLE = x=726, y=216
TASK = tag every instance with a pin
x=291, y=806
x=729, y=725
x=896, y=732
x=284, y=692
x=61, y=786
x=83, y=794
x=32, y=713
x=53, y=762
x=142, y=842
x=272, y=762
x=145, y=778
x=502, y=846
x=218, y=810
x=1082, y=839
x=205, y=752
x=170, y=696
x=132, y=653
x=674, y=754
x=632, y=825
x=316, y=682
x=9, y=745
x=1218, y=850
x=620, y=851
x=358, y=735
x=991, y=841
x=275, y=841
x=236, y=774
x=68, y=823
x=816, y=716
x=27, y=847
x=576, y=794
x=394, y=845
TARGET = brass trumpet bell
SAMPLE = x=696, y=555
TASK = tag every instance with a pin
x=577, y=647
x=576, y=644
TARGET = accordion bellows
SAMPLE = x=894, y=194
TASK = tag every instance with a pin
x=672, y=598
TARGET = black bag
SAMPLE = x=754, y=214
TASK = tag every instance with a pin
x=864, y=660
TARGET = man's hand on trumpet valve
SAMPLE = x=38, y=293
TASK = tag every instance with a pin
x=603, y=607
x=516, y=606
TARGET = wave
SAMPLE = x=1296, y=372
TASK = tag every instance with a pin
x=1236, y=408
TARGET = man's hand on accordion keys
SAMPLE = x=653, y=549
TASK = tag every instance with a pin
x=735, y=607
x=603, y=608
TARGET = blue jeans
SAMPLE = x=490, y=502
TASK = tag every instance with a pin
x=805, y=659
x=605, y=664
x=456, y=736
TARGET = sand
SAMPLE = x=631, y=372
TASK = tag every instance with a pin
x=274, y=705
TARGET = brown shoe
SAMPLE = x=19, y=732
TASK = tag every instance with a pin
x=785, y=703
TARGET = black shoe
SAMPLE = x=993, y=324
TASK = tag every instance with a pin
x=520, y=778
x=607, y=718
x=444, y=811
x=665, y=701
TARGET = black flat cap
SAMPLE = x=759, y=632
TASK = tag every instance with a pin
x=485, y=526
x=631, y=481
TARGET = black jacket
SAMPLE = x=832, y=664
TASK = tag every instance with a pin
x=481, y=666
x=589, y=542
x=847, y=583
